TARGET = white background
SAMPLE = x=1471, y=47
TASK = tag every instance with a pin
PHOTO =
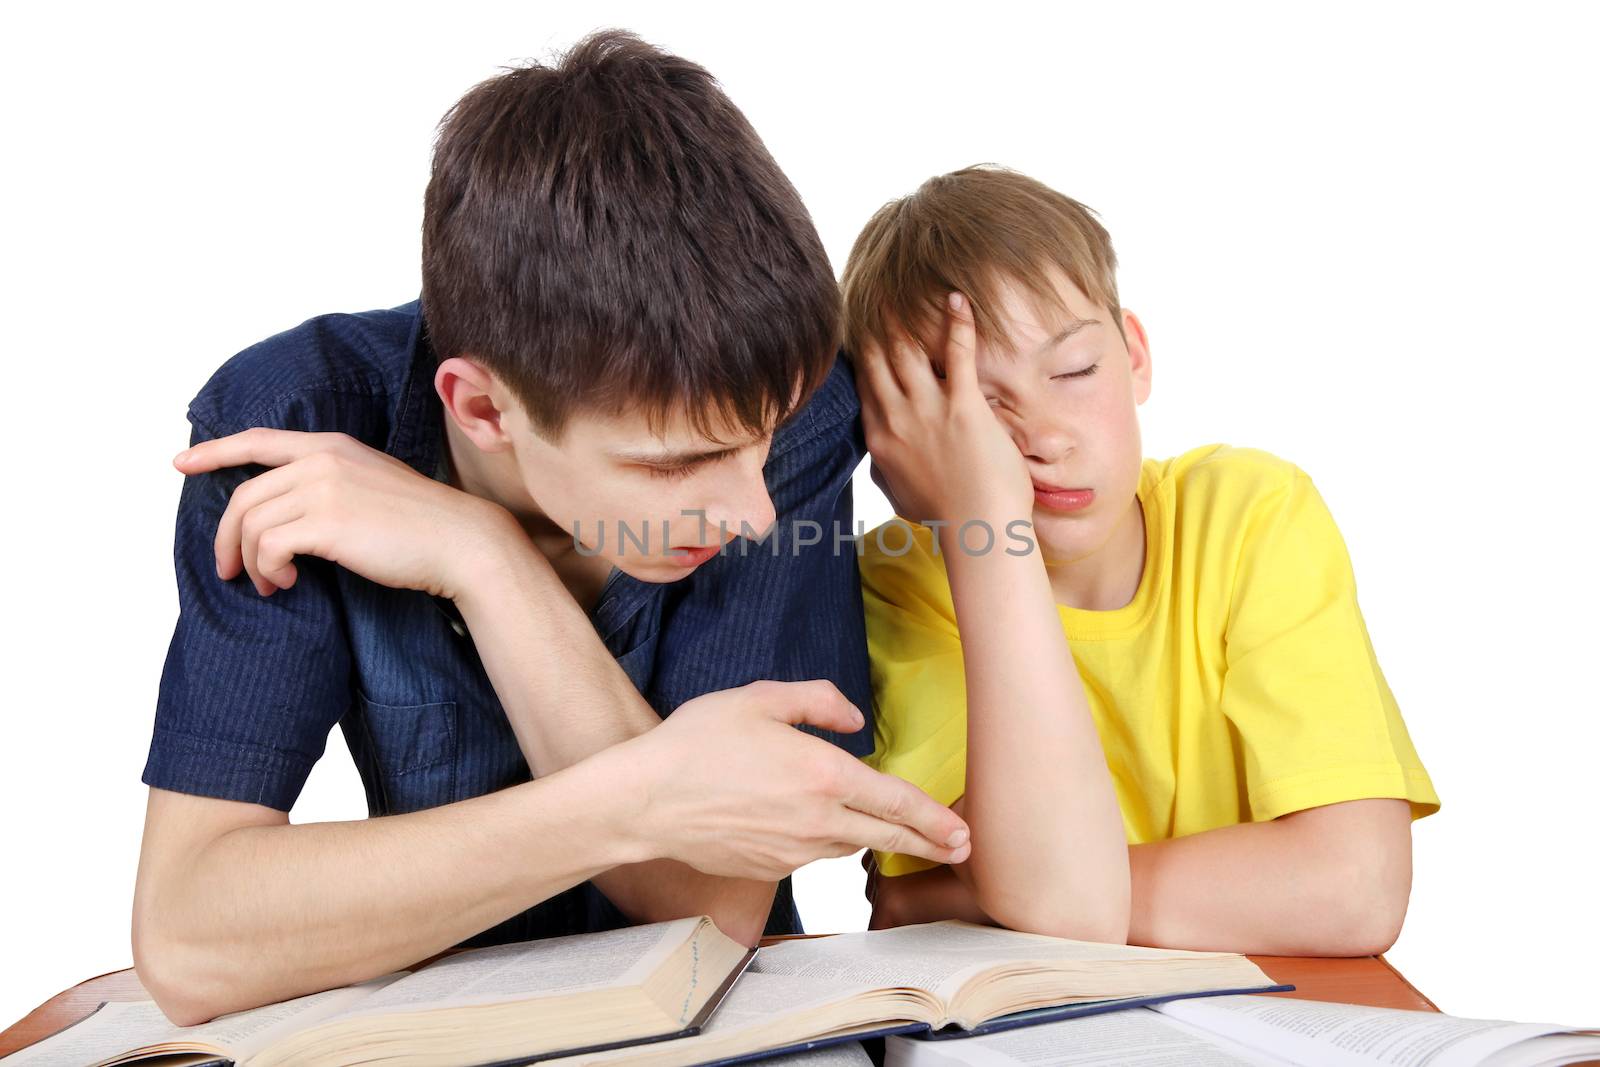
x=1361, y=237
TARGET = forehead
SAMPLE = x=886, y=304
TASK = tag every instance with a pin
x=633, y=434
x=1028, y=321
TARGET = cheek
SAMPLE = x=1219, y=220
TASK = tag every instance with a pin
x=1115, y=417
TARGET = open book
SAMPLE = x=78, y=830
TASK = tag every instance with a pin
x=1253, y=1031
x=508, y=1003
x=806, y=993
x=642, y=996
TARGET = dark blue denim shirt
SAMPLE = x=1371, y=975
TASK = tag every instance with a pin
x=252, y=685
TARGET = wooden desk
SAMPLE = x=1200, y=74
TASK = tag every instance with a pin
x=1361, y=980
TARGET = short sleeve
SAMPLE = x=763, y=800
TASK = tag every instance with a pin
x=1314, y=719
x=787, y=609
x=918, y=675
x=251, y=685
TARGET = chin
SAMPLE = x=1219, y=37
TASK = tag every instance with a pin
x=1060, y=537
x=654, y=570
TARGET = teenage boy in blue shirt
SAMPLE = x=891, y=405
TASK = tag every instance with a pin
x=406, y=522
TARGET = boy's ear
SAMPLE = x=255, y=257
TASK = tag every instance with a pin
x=1138, y=355
x=468, y=392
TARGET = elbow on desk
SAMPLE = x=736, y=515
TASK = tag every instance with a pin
x=1361, y=924
x=1054, y=916
x=743, y=924
x=172, y=974
x=1360, y=908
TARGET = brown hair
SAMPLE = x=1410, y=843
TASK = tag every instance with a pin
x=965, y=231
x=609, y=234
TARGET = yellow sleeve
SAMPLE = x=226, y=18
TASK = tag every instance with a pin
x=1315, y=720
x=918, y=682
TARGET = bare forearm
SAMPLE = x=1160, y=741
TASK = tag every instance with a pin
x=268, y=912
x=564, y=693
x=1276, y=888
x=567, y=698
x=1331, y=881
x=1032, y=754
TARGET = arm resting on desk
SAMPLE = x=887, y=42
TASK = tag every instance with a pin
x=234, y=907
x=1327, y=881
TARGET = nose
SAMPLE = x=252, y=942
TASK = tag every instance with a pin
x=744, y=507
x=1040, y=435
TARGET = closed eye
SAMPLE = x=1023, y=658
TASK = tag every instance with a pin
x=673, y=474
x=1084, y=373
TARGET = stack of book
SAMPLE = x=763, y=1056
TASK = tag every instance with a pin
x=681, y=993
x=667, y=995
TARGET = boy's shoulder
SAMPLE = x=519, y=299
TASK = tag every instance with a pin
x=339, y=371
x=900, y=562
x=829, y=422
x=1219, y=480
x=1215, y=466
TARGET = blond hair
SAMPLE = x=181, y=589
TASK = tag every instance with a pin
x=969, y=230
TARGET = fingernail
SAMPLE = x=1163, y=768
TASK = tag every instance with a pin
x=957, y=839
x=955, y=301
x=859, y=719
x=181, y=456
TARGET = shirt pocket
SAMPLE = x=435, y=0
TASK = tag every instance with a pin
x=414, y=748
x=639, y=662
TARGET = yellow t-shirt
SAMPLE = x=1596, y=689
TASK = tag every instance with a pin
x=1238, y=685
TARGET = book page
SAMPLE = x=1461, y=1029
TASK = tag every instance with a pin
x=113, y=1029
x=1136, y=1037
x=939, y=957
x=758, y=998
x=244, y=1033
x=527, y=969
x=121, y=1026
x=755, y=1002
x=1350, y=1035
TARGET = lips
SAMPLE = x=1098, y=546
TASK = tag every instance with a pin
x=693, y=555
x=1060, y=498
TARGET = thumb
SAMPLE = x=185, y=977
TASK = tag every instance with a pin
x=814, y=703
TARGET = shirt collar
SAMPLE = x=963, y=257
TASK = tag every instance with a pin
x=416, y=433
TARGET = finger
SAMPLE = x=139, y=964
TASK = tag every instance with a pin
x=228, y=546
x=267, y=520
x=895, y=800
x=815, y=703
x=960, y=347
x=885, y=836
x=265, y=445
x=878, y=380
x=279, y=546
x=913, y=368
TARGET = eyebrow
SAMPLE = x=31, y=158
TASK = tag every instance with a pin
x=1073, y=327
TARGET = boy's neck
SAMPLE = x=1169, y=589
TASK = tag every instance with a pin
x=1108, y=578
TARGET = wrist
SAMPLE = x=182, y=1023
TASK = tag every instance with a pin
x=986, y=530
x=614, y=785
x=488, y=554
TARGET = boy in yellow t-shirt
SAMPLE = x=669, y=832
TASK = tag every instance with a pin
x=1146, y=684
